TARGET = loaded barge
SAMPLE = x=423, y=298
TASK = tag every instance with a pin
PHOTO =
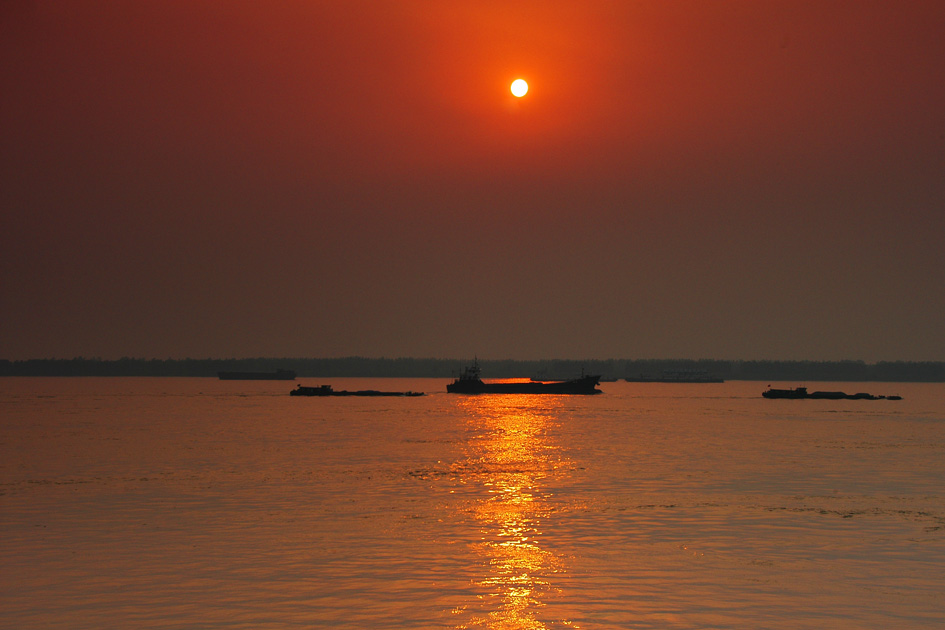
x=799, y=393
x=469, y=382
x=326, y=390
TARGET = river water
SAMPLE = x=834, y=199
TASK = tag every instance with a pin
x=198, y=503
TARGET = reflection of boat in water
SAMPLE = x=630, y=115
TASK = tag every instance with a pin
x=278, y=375
x=326, y=390
x=802, y=393
x=469, y=382
x=676, y=376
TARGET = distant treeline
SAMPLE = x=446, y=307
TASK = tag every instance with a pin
x=901, y=371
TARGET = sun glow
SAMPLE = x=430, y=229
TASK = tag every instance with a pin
x=519, y=88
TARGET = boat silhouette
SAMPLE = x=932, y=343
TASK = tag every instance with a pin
x=801, y=393
x=326, y=390
x=470, y=382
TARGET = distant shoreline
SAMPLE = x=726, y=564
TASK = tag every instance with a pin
x=737, y=370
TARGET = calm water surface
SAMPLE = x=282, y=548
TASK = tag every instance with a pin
x=197, y=503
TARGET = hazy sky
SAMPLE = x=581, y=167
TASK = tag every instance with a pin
x=701, y=179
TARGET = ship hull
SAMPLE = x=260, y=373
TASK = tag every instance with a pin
x=801, y=393
x=326, y=390
x=798, y=393
x=580, y=386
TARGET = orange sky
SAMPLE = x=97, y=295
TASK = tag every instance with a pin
x=684, y=179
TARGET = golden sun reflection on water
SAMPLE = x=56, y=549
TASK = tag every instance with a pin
x=512, y=457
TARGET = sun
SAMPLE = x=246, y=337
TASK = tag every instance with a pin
x=519, y=88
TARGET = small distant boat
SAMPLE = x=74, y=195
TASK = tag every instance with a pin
x=326, y=390
x=802, y=393
x=676, y=376
x=469, y=382
x=278, y=375
x=797, y=392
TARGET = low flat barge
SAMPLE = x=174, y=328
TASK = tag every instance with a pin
x=801, y=393
x=326, y=390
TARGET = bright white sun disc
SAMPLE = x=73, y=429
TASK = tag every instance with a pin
x=519, y=87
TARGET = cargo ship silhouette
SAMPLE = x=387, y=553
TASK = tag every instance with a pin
x=470, y=382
